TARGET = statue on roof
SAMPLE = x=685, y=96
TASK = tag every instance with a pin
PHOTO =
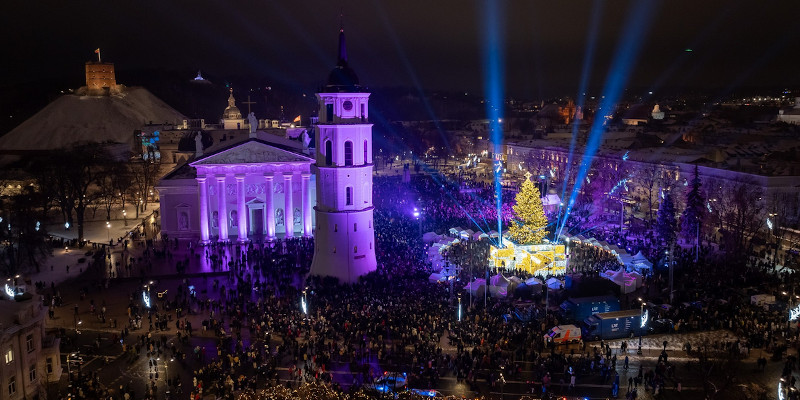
x=253, y=121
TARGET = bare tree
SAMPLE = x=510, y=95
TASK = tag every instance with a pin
x=143, y=176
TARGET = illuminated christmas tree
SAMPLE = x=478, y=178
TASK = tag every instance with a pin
x=528, y=226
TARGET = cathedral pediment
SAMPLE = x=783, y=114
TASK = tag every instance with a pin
x=251, y=152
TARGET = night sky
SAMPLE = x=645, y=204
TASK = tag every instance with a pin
x=435, y=44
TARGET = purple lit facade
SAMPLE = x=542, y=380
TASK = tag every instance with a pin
x=249, y=189
x=345, y=235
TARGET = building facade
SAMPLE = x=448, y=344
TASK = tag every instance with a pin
x=345, y=235
x=31, y=359
x=250, y=189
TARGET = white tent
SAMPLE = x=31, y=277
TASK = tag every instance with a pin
x=533, y=281
x=476, y=287
x=479, y=235
x=456, y=230
x=430, y=237
x=554, y=283
x=498, y=286
x=494, y=234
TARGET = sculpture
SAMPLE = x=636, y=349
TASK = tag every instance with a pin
x=198, y=144
x=251, y=119
x=306, y=139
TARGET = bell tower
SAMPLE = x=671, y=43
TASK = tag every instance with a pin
x=345, y=234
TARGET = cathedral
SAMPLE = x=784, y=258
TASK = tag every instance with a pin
x=265, y=187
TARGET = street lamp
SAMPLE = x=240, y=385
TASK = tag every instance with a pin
x=304, y=302
x=125, y=216
x=641, y=316
x=459, y=307
x=108, y=232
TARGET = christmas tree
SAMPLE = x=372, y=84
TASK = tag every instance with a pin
x=528, y=226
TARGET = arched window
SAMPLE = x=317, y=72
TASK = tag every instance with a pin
x=328, y=153
x=348, y=153
x=348, y=196
x=366, y=157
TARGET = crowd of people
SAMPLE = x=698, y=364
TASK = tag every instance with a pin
x=254, y=331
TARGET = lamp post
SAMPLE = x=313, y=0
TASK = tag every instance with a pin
x=108, y=232
x=459, y=307
x=641, y=314
x=304, y=302
x=125, y=216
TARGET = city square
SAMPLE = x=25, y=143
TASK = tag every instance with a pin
x=596, y=245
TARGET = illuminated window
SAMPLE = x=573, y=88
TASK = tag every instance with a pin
x=348, y=193
x=9, y=356
x=348, y=153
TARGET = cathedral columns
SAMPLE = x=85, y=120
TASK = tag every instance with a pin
x=288, y=208
x=222, y=209
x=242, y=209
x=306, y=206
x=203, y=203
x=269, y=218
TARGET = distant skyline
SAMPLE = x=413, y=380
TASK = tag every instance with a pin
x=434, y=45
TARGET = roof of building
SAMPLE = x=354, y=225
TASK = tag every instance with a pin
x=342, y=78
x=260, y=147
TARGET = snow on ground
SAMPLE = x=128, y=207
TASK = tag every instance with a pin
x=72, y=118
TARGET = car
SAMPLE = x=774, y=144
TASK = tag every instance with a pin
x=390, y=382
x=662, y=326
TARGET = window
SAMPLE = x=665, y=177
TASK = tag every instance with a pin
x=49, y=365
x=336, y=227
x=328, y=112
x=29, y=343
x=328, y=153
x=355, y=227
x=334, y=250
x=363, y=115
x=355, y=249
x=366, y=157
x=370, y=245
x=348, y=153
x=9, y=356
x=12, y=385
x=348, y=192
x=370, y=223
x=32, y=373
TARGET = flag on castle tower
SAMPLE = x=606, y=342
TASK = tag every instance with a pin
x=97, y=50
x=296, y=119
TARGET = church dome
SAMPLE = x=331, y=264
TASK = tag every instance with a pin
x=231, y=111
x=342, y=78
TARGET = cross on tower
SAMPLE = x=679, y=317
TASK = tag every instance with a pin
x=248, y=102
x=528, y=175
